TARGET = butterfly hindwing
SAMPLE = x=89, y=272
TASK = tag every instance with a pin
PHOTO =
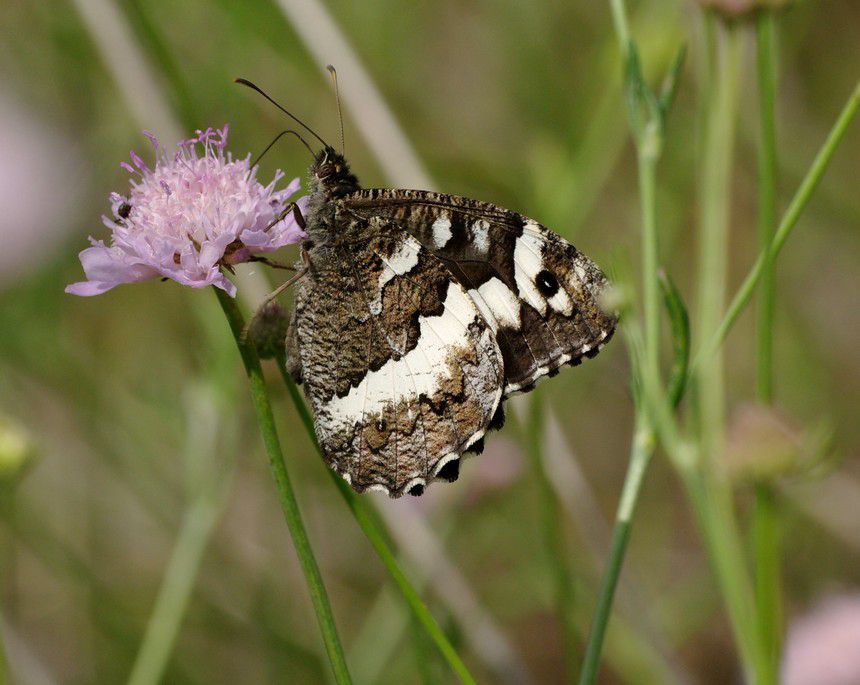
x=539, y=294
x=402, y=370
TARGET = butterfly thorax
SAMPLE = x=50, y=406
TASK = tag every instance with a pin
x=330, y=180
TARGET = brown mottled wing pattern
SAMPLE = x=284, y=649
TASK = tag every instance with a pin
x=537, y=291
x=401, y=369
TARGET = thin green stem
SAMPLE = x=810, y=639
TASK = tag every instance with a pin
x=649, y=145
x=372, y=529
x=551, y=517
x=641, y=452
x=619, y=20
x=289, y=505
x=787, y=223
x=650, y=256
x=766, y=526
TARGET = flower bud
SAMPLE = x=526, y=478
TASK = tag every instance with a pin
x=268, y=330
x=763, y=444
x=737, y=9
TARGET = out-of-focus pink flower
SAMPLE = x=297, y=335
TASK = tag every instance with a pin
x=42, y=177
x=195, y=212
x=823, y=647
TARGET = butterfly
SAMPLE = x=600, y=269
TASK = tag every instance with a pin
x=417, y=314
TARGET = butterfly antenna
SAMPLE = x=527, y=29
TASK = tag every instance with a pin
x=276, y=139
x=333, y=72
x=253, y=86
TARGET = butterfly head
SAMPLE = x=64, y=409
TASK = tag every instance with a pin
x=330, y=173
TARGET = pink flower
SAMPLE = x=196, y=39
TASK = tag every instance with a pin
x=195, y=213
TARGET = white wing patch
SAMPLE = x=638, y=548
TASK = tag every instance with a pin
x=404, y=259
x=442, y=231
x=481, y=235
x=561, y=302
x=499, y=306
x=527, y=265
x=427, y=365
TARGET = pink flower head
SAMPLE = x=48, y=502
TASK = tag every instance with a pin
x=194, y=213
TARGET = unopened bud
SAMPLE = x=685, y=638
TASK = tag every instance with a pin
x=737, y=9
x=268, y=330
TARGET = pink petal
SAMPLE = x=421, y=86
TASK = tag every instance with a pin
x=106, y=267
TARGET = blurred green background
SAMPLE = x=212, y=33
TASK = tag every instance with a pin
x=124, y=419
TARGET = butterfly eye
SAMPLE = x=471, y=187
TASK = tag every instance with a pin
x=547, y=283
x=325, y=171
x=124, y=210
x=381, y=425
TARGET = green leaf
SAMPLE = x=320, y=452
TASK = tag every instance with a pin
x=670, y=83
x=680, y=322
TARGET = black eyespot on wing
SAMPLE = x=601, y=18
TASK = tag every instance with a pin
x=546, y=283
x=416, y=490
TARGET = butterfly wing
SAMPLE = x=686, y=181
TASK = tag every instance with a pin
x=537, y=291
x=401, y=369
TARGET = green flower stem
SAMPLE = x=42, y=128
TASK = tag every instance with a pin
x=641, y=452
x=619, y=21
x=649, y=144
x=789, y=219
x=767, y=539
x=551, y=517
x=766, y=525
x=289, y=505
x=643, y=442
x=648, y=156
x=372, y=529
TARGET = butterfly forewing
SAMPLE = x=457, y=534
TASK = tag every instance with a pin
x=537, y=292
x=402, y=370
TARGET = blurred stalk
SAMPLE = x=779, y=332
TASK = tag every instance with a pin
x=423, y=656
x=766, y=63
x=707, y=487
x=4, y=664
x=720, y=119
x=208, y=485
x=289, y=505
x=179, y=578
x=372, y=528
x=551, y=517
x=766, y=524
x=787, y=223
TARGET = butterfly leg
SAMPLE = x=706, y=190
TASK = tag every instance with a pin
x=264, y=307
x=301, y=271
